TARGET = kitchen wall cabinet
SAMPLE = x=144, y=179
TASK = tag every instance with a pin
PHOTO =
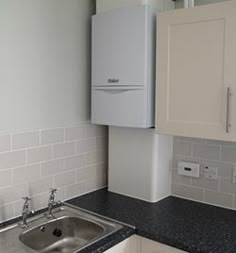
x=196, y=77
x=137, y=244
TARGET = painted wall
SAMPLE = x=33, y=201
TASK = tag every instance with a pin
x=45, y=138
x=106, y=5
x=180, y=3
x=44, y=63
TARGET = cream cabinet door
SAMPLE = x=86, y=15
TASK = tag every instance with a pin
x=149, y=246
x=230, y=67
x=196, y=60
x=138, y=244
x=130, y=245
x=122, y=247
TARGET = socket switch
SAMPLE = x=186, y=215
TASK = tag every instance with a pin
x=210, y=173
x=234, y=175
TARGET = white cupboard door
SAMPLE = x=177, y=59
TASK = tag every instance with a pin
x=122, y=247
x=230, y=68
x=191, y=86
x=130, y=245
x=119, y=47
x=149, y=246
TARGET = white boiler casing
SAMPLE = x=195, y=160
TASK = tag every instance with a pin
x=123, y=65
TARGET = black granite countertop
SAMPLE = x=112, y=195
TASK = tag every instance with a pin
x=187, y=225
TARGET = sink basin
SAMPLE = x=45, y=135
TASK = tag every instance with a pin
x=71, y=230
x=65, y=234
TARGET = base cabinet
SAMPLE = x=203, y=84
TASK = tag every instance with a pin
x=130, y=245
x=137, y=244
x=149, y=246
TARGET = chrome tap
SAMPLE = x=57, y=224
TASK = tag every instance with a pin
x=26, y=212
x=52, y=203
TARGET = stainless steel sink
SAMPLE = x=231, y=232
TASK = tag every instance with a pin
x=70, y=230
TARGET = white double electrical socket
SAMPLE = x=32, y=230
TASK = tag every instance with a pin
x=212, y=173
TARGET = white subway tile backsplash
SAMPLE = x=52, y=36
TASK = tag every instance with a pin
x=178, y=158
x=206, y=151
x=40, y=154
x=219, y=198
x=91, y=144
x=209, y=153
x=227, y=186
x=81, y=146
x=86, y=173
x=18, y=207
x=75, y=189
x=6, y=212
x=234, y=201
x=40, y=185
x=182, y=148
x=51, y=136
x=12, y=159
x=32, y=162
x=5, y=178
x=86, y=145
x=74, y=159
x=26, y=173
x=76, y=133
x=188, y=192
x=188, y=139
x=53, y=167
x=13, y=193
x=60, y=195
x=90, y=157
x=63, y=149
x=228, y=154
x=64, y=179
x=75, y=162
x=5, y=143
x=36, y=202
x=206, y=183
x=224, y=168
x=96, y=183
x=25, y=140
x=177, y=179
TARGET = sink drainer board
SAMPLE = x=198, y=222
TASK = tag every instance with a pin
x=70, y=230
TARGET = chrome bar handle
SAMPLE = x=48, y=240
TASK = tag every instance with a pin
x=228, y=94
